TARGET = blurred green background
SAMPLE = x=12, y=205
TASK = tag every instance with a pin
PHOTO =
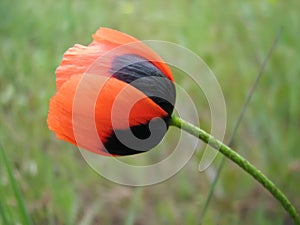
x=232, y=37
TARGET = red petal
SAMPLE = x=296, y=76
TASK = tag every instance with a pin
x=81, y=111
x=78, y=59
x=117, y=38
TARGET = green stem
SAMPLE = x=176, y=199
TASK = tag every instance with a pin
x=241, y=162
x=238, y=121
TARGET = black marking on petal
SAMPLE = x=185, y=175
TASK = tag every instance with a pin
x=160, y=89
x=114, y=146
x=130, y=67
x=145, y=76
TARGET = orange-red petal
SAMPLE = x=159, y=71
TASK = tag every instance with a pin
x=110, y=36
x=77, y=118
x=78, y=59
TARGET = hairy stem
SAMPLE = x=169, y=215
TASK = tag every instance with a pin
x=241, y=162
x=238, y=121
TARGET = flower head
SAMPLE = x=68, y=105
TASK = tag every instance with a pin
x=112, y=95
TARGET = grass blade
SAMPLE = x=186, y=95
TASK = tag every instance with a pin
x=2, y=213
x=23, y=212
x=130, y=220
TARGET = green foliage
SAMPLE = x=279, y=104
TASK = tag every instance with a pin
x=232, y=37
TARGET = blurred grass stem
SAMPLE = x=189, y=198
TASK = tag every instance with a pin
x=20, y=202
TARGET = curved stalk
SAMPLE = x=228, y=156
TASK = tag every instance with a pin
x=241, y=162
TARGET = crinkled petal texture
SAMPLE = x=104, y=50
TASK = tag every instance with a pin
x=114, y=85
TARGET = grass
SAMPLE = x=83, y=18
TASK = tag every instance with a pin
x=25, y=218
x=56, y=184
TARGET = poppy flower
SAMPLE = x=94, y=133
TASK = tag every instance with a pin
x=112, y=96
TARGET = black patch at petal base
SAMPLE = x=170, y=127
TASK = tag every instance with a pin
x=114, y=146
x=145, y=76
x=130, y=67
